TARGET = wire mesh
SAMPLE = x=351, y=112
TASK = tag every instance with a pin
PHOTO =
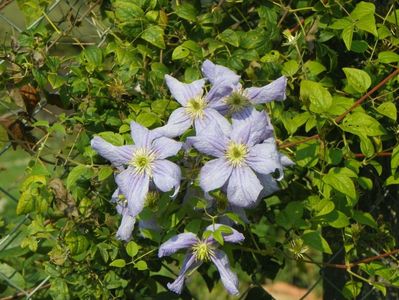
x=72, y=23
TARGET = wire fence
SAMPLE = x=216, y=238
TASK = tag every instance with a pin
x=74, y=23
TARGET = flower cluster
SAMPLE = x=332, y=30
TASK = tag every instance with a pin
x=243, y=164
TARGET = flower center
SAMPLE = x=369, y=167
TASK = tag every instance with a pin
x=142, y=160
x=237, y=101
x=203, y=251
x=195, y=107
x=236, y=153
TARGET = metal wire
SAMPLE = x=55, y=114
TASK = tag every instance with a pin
x=102, y=32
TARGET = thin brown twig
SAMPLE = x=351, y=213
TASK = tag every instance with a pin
x=380, y=154
x=342, y=116
x=355, y=264
x=4, y=3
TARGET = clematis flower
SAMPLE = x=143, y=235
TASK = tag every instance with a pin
x=142, y=163
x=199, y=251
x=240, y=99
x=240, y=156
x=197, y=108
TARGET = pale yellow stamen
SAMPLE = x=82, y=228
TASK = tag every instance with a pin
x=195, y=107
x=236, y=154
x=142, y=161
x=203, y=251
x=237, y=101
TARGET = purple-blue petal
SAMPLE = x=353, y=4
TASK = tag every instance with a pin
x=126, y=227
x=135, y=188
x=214, y=174
x=261, y=127
x=269, y=184
x=243, y=187
x=273, y=91
x=241, y=133
x=210, y=116
x=234, y=237
x=142, y=137
x=217, y=73
x=211, y=141
x=217, y=94
x=166, y=147
x=166, y=175
x=228, y=277
x=189, y=264
x=183, y=92
x=117, y=155
x=179, y=121
x=176, y=243
x=264, y=158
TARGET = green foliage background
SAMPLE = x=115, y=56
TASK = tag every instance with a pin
x=337, y=205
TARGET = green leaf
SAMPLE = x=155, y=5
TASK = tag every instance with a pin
x=154, y=35
x=180, y=52
x=395, y=159
x=147, y=119
x=218, y=236
x=342, y=183
x=388, y=109
x=357, y=79
x=119, y=263
x=59, y=289
x=364, y=218
x=230, y=36
x=314, y=67
x=114, y=138
x=141, y=265
x=315, y=240
x=363, y=9
x=319, y=97
x=352, y=289
x=186, y=11
x=347, y=36
x=366, y=145
x=104, y=172
x=56, y=80
x=388, y=57
x=336, y=219
x=360, y=123
x=132, y=249
x=365, y=183
x=324, y=207
x=78, y=173
x=290, y=68
x=93, y=57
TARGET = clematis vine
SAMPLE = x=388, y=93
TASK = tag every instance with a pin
x=203, y=250
x=241, y=99
x=240, y=156
x=142, y=163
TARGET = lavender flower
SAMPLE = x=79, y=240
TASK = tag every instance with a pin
x=199, y=251
x=141, y=163
x=197, y=108
x=239, y=99
x=241, y=155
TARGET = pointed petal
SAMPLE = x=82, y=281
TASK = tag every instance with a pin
x=286, y=161
x=142, y=137
x=264, y=158
x=214, y=174
x=211, y=141
x=217, y=94
x=165, y=147
x=269, y=184
x=117, y=155
x=243, y=188
x=166, y=175
x=217, y=73
x=135, y=188
x=234, y=237
x=273, y=91
x=242, y=133
x=189, y=264
x=126, y=227
x=211, y=115
x=261, y=127
x=228, y=277
x=174, y=244
x=183, y=92
x=179, y=121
